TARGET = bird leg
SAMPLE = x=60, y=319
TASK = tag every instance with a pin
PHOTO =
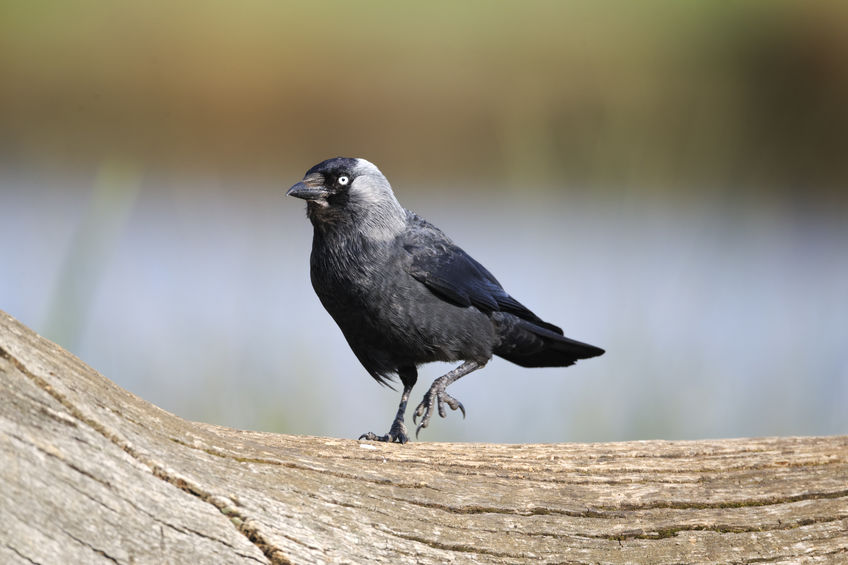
x=398, y=430
x=437, y=396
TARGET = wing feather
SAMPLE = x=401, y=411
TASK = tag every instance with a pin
x=456, y=277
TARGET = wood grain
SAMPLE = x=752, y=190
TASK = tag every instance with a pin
x=93, y=474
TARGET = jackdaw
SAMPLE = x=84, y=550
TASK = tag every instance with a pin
x=404, y=294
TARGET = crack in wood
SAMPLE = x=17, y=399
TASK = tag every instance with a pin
x=807, y=556
x=245, y=525
x=185, y=531
x=58, y=456
x=765, y=501
x=672, y=531
x=456, y=547
x=14, y=550
x=97, y=501
x=595, y=476
x=274, y=554
x=91, y=547
x=299, y=467
x=746, y=500
x=532, y=511
x=608, y=512
x=496, y=472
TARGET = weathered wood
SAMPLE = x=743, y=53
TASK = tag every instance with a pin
x=93, y=474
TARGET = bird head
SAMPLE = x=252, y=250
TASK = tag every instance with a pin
x=344, y=191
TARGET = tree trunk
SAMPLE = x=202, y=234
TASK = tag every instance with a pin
x=93, y=474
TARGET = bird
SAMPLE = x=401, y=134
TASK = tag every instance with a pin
x=404, y=294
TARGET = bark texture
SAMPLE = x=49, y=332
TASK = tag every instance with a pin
x=90, y=473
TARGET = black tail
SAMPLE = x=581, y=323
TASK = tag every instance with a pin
x=530, y=345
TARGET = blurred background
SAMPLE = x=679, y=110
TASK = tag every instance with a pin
x=666, y=180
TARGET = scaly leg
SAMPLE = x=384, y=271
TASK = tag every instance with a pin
x=408, y=376
x=437, y=396
x=398, y=430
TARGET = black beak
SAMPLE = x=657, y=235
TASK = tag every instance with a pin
x=310, y=188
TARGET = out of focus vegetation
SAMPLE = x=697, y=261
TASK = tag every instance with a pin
x=694, y=154
x=719, y=96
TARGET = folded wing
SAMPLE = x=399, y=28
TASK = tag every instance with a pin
x=456, y=277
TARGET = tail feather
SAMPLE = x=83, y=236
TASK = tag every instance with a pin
x=529, y=345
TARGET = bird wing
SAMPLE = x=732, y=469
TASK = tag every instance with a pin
x=456, y=277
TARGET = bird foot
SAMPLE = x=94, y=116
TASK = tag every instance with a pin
x=436, y=396
x=397, y=434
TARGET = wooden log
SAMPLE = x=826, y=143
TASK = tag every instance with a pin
x=93, y=474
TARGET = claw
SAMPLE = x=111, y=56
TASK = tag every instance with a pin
x=427, y=405
x=425, y=411
x=397, y=434
x=452, y=402
x=371, y=436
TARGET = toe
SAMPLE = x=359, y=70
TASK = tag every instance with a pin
x=371, y=436
x=420, y=411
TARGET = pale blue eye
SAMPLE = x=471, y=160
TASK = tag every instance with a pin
x=343, y=180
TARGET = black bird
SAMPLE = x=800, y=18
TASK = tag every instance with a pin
x=404, y=294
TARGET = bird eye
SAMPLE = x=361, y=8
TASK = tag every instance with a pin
x=343, y=180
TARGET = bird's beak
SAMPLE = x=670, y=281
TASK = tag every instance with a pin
x=310, y=188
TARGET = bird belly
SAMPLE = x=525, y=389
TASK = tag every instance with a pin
x=397, y=322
